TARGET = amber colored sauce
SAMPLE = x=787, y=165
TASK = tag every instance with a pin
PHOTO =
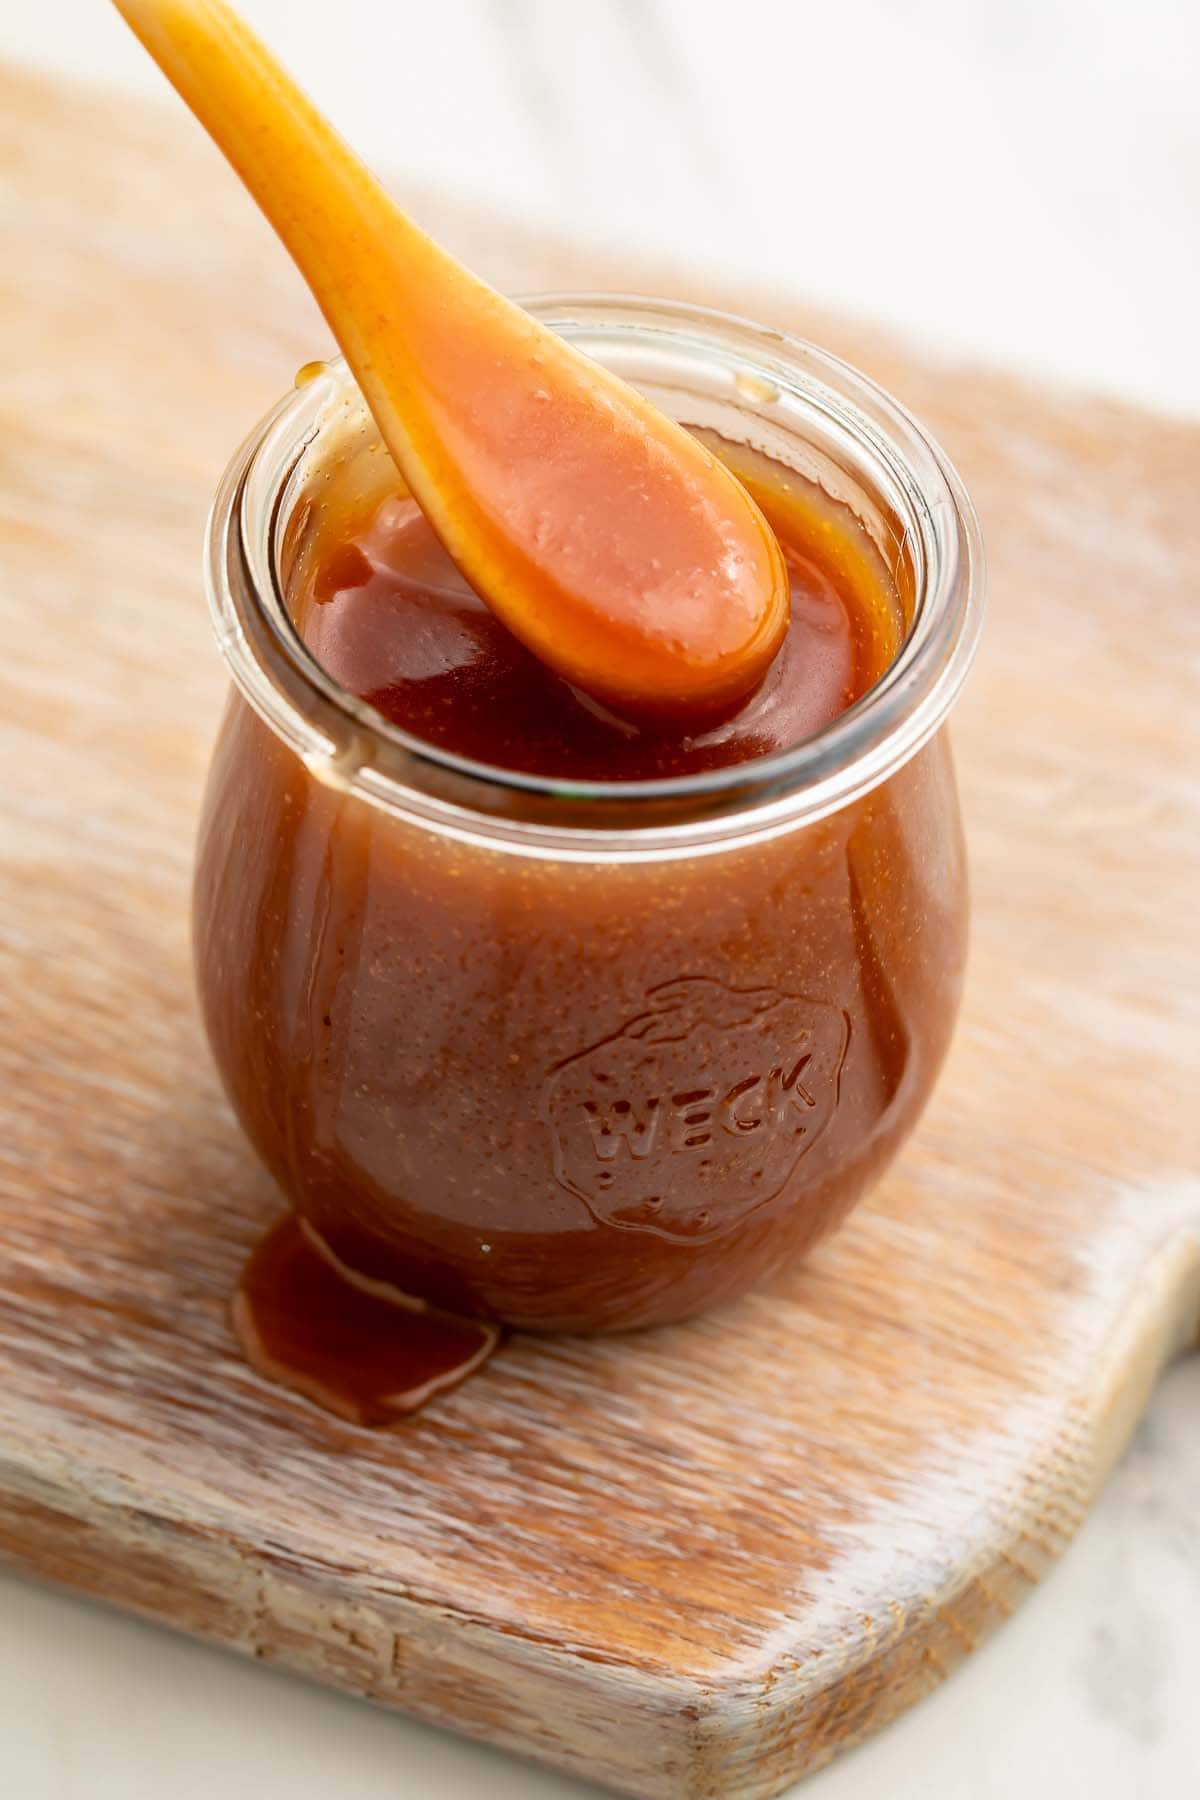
x=368, y=1357
x=393, y=620
x=389, y=615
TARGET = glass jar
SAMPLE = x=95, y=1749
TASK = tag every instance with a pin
x=587, y=1056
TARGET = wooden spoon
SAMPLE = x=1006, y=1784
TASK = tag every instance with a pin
x=614, y=545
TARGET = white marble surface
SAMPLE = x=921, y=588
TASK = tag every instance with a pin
x=1010, y=180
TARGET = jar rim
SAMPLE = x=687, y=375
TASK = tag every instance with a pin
x=350, y=746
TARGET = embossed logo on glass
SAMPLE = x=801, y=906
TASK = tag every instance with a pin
x=698, y=1109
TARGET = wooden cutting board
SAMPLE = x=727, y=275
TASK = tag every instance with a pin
x=700, y=1562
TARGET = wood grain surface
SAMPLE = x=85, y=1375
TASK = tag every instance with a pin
x=700, y=1562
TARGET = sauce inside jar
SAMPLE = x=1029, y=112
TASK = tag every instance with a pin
x=504, y=1090
x=389, y=615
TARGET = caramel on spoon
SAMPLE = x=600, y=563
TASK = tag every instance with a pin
x=613, y=544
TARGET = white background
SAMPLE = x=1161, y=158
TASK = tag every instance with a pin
x=1016, y=178
x=998, y=178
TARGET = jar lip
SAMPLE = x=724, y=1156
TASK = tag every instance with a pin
x=346, y=742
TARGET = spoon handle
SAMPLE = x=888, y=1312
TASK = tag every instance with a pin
x=370, y=268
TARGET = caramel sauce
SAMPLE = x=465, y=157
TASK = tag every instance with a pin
x=360, y=1044
x=392, y=619
x=355, y=1347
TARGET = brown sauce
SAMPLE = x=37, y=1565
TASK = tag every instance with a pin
x=390, y=616
x=370, y=1357
x=551, y=1094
